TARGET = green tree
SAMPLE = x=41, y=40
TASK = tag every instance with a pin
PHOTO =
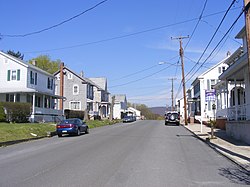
x=15, y=54
x=45, y=63
x=145, y=111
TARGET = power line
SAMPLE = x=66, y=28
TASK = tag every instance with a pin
x=222, y=20
x=191, y=36
x=142, y=77
x=140, y=71
x=53, y=26
x=207, y=45
x=217, y=44
x=126, y=35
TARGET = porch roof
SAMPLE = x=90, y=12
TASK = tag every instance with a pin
x=236, y=70
x=29, y=90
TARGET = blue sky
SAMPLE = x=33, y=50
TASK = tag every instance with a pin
x=123, y=40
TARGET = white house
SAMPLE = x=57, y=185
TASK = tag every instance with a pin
x=238, y=96
x=101, y=102
x=134, y=112
x=24, y=82
x=202, y=95
x=120, y=106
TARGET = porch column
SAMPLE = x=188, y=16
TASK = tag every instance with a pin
x=43, y=101
x=14, y=97
x=236, y=99
x=226, y=99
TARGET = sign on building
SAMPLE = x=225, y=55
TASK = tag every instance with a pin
x=210, y=95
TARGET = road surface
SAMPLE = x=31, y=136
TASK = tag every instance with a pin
x=142, y=153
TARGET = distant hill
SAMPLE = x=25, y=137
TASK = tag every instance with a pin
x=158, y=110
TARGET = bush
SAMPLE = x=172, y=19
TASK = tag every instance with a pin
x=74, y=114
x=17, y=112
x=2, y=114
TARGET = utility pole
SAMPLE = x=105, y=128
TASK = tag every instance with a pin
x=247, y=22
x=112, y=108
x=172, y=93
x=183, y=75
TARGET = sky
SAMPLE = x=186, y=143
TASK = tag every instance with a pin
x=124, y=40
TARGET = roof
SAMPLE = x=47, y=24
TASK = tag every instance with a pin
x=242, y=33
x=120, y=98
x=210, y=69
x=25, y=64
x=100, y=81
x=84, y=79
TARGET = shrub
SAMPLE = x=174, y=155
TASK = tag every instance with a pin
x=74, y=114
x=17, y=112
x=2, y=114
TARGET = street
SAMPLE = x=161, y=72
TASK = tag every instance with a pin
x=142, y=153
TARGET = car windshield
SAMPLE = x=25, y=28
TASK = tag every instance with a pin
x=69, y=121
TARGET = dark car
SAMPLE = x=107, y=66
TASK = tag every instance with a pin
x=172, y=117
x=73, y=126
x=128, y=119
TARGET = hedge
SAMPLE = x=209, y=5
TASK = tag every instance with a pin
x=17, y=112
x=74, y=114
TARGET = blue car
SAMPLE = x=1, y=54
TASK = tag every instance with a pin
x=73, y=126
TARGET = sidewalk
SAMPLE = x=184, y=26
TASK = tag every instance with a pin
x=238, y=152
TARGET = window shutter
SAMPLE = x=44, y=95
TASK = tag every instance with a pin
x=18, y=74
x=8, y=75
x=35, y=78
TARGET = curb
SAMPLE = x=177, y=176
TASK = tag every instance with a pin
x=207, y=141
x=49, y=134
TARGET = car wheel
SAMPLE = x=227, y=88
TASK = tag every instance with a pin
x=59, y=135
x=166, y=123
x=78, y=132
x=87, y=131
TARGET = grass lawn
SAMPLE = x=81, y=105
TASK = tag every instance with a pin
x=20, y=131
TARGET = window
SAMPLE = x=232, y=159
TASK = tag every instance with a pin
x=213, y=82
x=50, y=83
x=13, y=75
x=223, y=68
x=33, y=78
x=75, y=105
x=70, y=76
x=219, y=69
x=75, y=90
x=9, y=97
x=17, y=97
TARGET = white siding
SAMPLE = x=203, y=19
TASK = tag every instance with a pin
x=13, y=85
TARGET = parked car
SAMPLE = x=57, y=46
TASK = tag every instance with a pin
x=172, y=117
x=128, y=119
x=72, y=126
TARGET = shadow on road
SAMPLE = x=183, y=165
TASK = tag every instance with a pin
x=236, y=175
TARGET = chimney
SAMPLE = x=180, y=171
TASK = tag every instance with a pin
x=228, y=53
x=34, y=62
x=61, y=85
x=81, y=74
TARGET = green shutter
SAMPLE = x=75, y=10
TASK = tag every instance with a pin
x=8, y=76
x=18, y=74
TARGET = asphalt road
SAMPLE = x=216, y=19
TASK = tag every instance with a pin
x=142, y=153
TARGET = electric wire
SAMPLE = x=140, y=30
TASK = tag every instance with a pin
x=140, y=71
x=217, y=29
x=217, y=45
x=207, y=45
x=130, y=82
x=126, y=35
x=53, y=26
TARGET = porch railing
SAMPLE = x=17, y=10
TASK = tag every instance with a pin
x=237, y=113
x=48, y=111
